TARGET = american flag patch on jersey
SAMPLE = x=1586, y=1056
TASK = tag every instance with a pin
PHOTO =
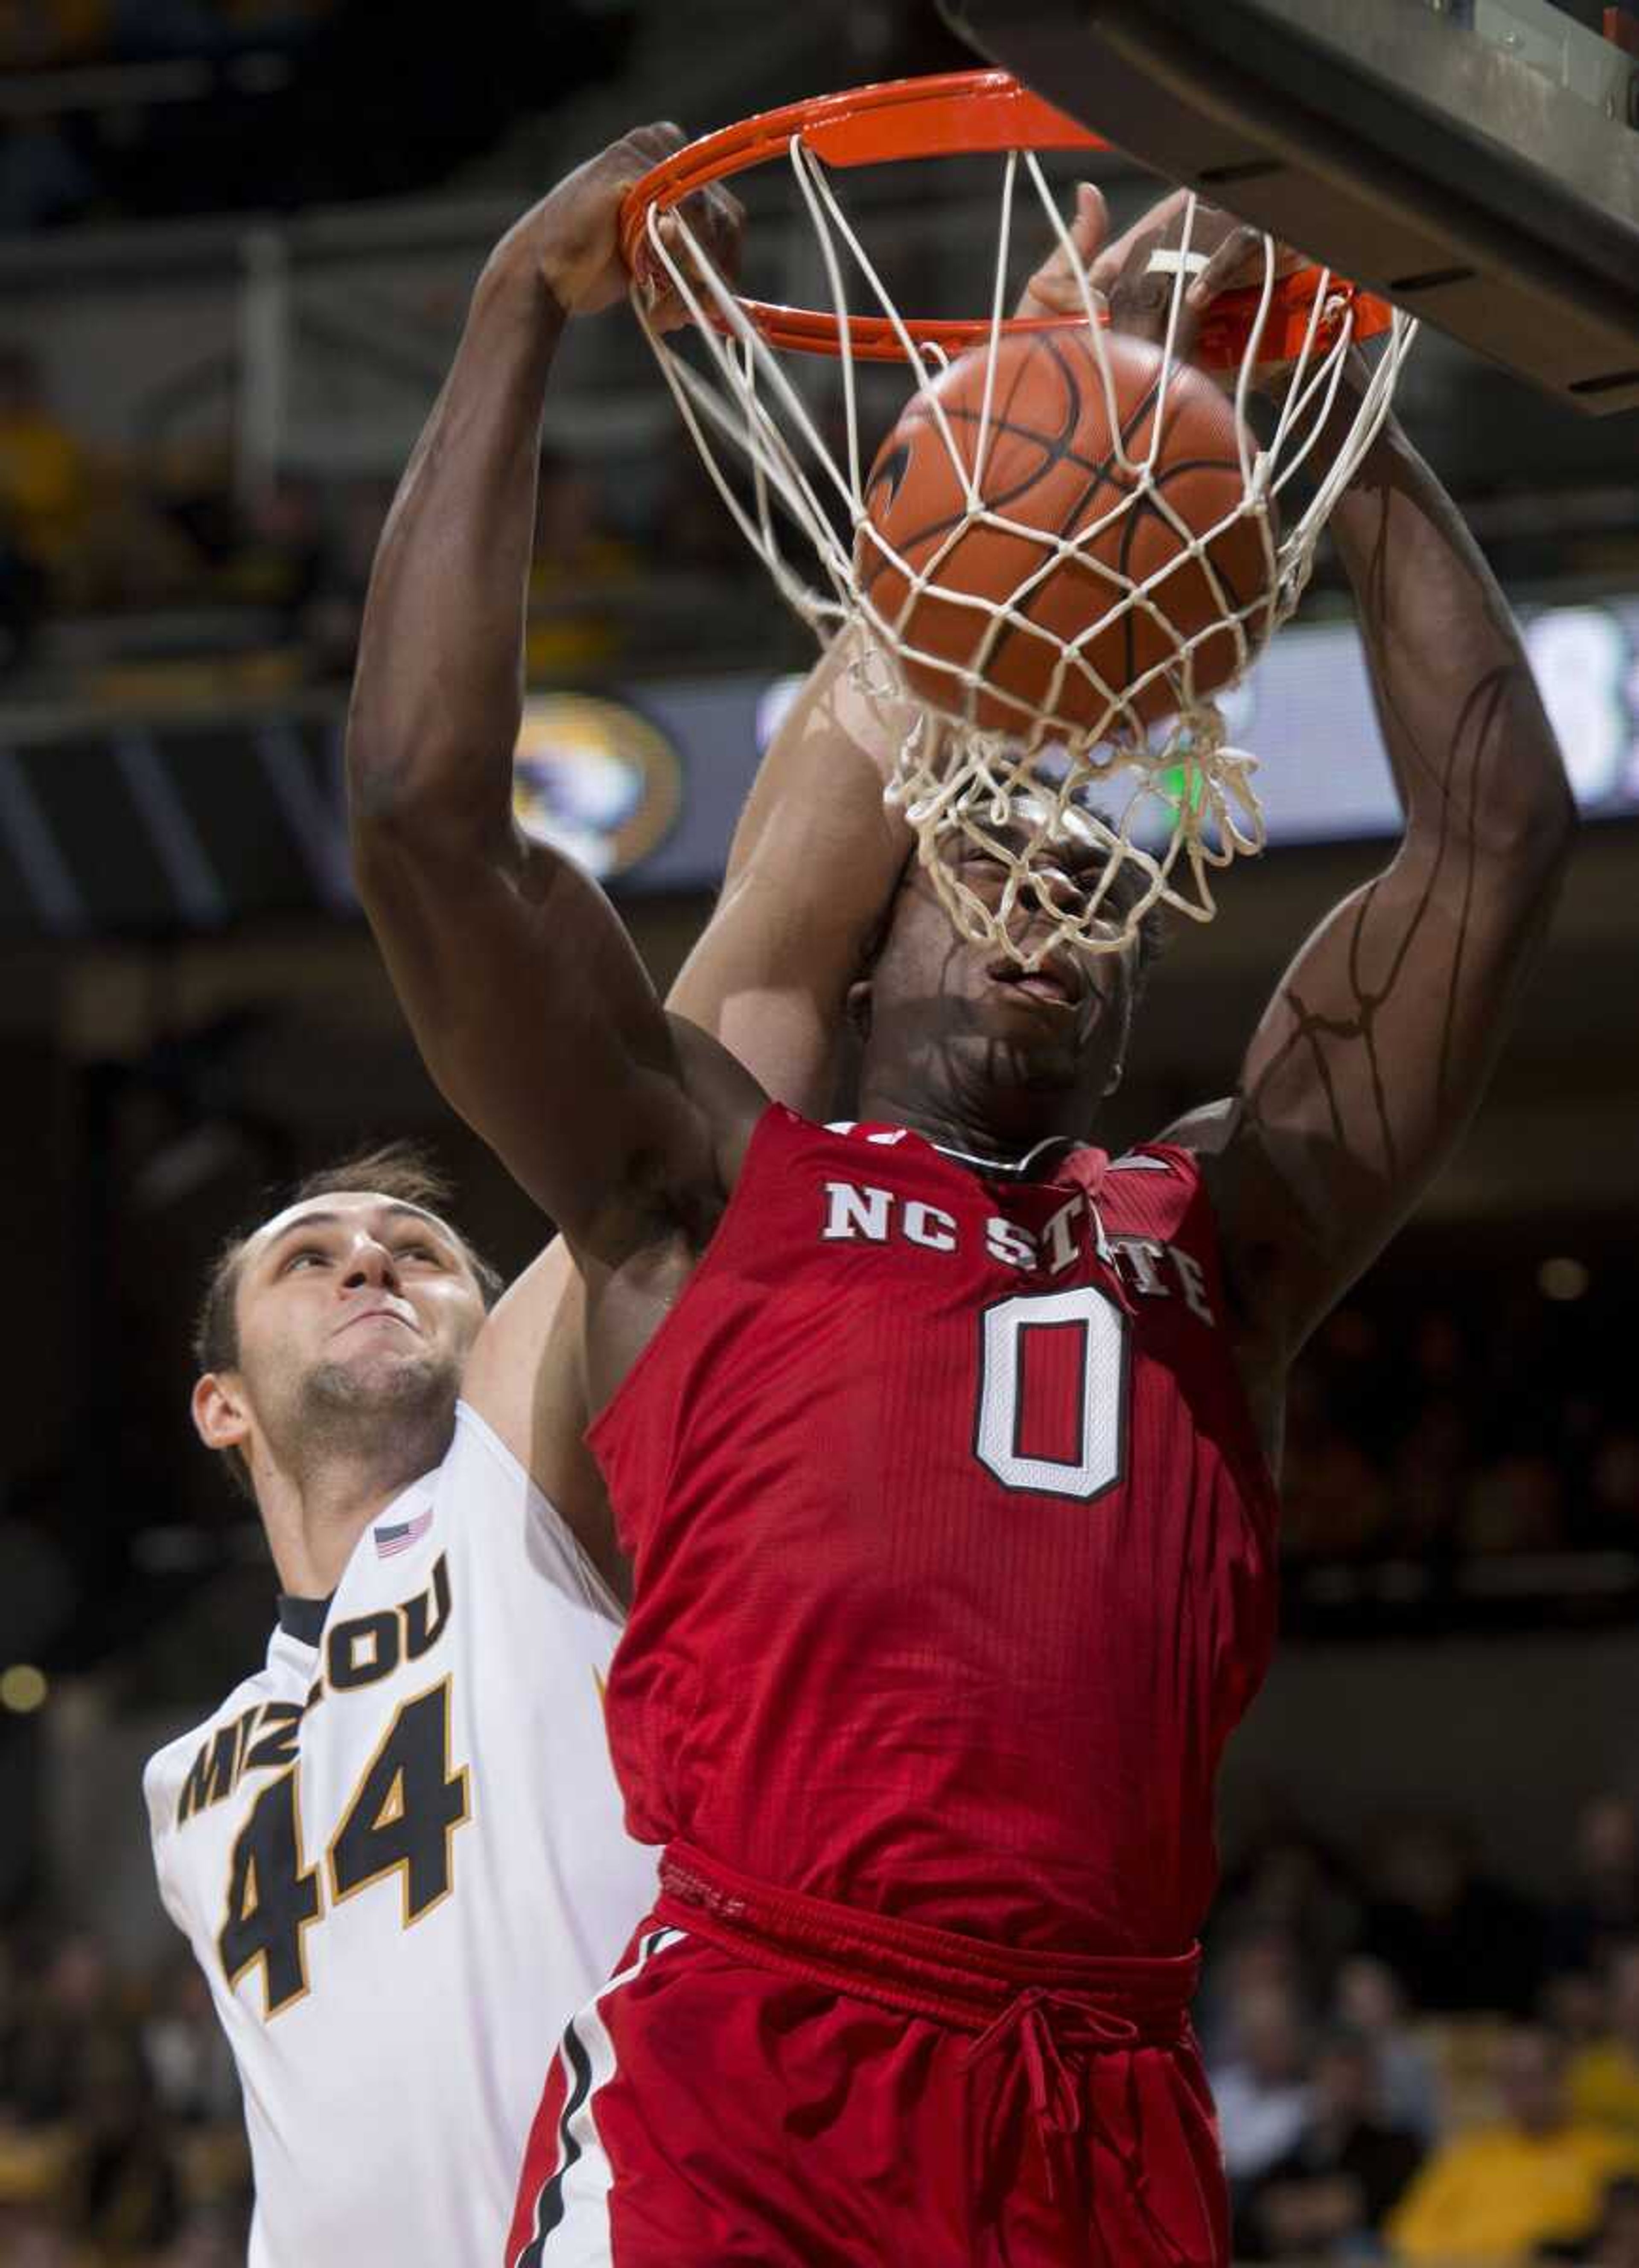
x=389, y=1542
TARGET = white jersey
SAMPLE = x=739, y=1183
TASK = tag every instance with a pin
x=398, y=1854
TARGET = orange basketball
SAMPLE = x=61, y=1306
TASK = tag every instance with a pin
x=1049, y=465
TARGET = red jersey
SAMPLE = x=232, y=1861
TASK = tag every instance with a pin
x=954, y=1544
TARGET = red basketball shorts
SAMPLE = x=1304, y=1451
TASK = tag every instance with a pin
x=771, y=2081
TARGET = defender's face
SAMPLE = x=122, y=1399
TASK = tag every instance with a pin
x=1062, y=1024
x=360, y=1286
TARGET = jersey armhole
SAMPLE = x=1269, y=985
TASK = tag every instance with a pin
x=544, y=1513
x=1160, y=1156
x=160, y=1791
x=1188, y=1168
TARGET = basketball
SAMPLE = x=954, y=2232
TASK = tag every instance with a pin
x=1049, y=463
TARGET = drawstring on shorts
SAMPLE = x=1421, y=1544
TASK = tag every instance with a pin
x=1048, y=2007
x=1056, y=2098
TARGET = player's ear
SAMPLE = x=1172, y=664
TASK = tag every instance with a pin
x=220, y=1411
x=857, y=1009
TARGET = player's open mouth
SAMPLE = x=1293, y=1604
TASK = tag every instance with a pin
x=1056, y=983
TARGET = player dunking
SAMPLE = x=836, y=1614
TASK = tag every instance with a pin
x=942, y=1443
x=398, y=1849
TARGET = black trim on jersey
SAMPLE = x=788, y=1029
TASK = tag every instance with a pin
x=1027, y=1169
x=550, y=2205
x=303, y=1618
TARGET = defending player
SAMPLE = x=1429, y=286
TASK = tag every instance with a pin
x=942, y=1443
x=396, y=1849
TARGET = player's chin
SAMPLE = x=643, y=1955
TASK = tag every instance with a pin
x=396, y=1375
x=425, y=1370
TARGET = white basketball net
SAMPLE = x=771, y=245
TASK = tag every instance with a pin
x=1165, y=805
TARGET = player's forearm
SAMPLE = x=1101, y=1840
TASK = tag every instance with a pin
x=1474, y=757
x=817, y=857
x=436, y=701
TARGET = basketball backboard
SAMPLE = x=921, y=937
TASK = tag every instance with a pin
x=1476, y=161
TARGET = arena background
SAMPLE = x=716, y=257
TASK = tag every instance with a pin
x=235, y=242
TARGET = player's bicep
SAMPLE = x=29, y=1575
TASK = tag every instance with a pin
x=526, y=1378
x=499, y=1378
x=1366, y=1069
x=537, y=1020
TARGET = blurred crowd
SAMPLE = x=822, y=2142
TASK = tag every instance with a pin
x=276, y=579
x=1446, y=1434
x=121, y=2138
x=57, y=34
x=1413, y=2062
x=82, y=147
x=121, y=109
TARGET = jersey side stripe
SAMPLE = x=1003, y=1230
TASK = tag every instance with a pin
x=573, y=2201
x=574, y=2073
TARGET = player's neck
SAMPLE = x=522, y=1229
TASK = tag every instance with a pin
x=1008, y=1129
x=313, y=1521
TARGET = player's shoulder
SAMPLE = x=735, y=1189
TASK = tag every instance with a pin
x=484, y=1493
x=732, y=1101
x=787, y=1150
x=1165, y=1176
x=1204, y=1132
x=210, y=1746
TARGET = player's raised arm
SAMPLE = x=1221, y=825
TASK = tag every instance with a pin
x=530, y=1005
x=815, y=860
x=1373, y=1054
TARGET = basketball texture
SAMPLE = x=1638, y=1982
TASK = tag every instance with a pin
x=1050, y=464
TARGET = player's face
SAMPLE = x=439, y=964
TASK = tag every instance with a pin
x=950, y=1012
x=354, y=1307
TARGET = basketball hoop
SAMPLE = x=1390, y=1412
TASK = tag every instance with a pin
x=1166, y=802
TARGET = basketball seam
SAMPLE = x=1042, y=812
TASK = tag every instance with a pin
x=1054, y=449
x=1100, y=475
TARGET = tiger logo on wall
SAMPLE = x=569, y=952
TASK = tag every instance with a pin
x=594, y=778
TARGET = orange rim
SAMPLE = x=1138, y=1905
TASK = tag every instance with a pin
x=954, y=113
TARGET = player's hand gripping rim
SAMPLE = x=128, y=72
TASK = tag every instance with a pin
x=1134, y=279
x=576, y=231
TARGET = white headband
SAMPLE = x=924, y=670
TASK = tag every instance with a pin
x=1170, y=263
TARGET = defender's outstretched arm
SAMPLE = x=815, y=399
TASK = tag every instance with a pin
x=1374, y=1052
x=529, y=1004
x=818, y=855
